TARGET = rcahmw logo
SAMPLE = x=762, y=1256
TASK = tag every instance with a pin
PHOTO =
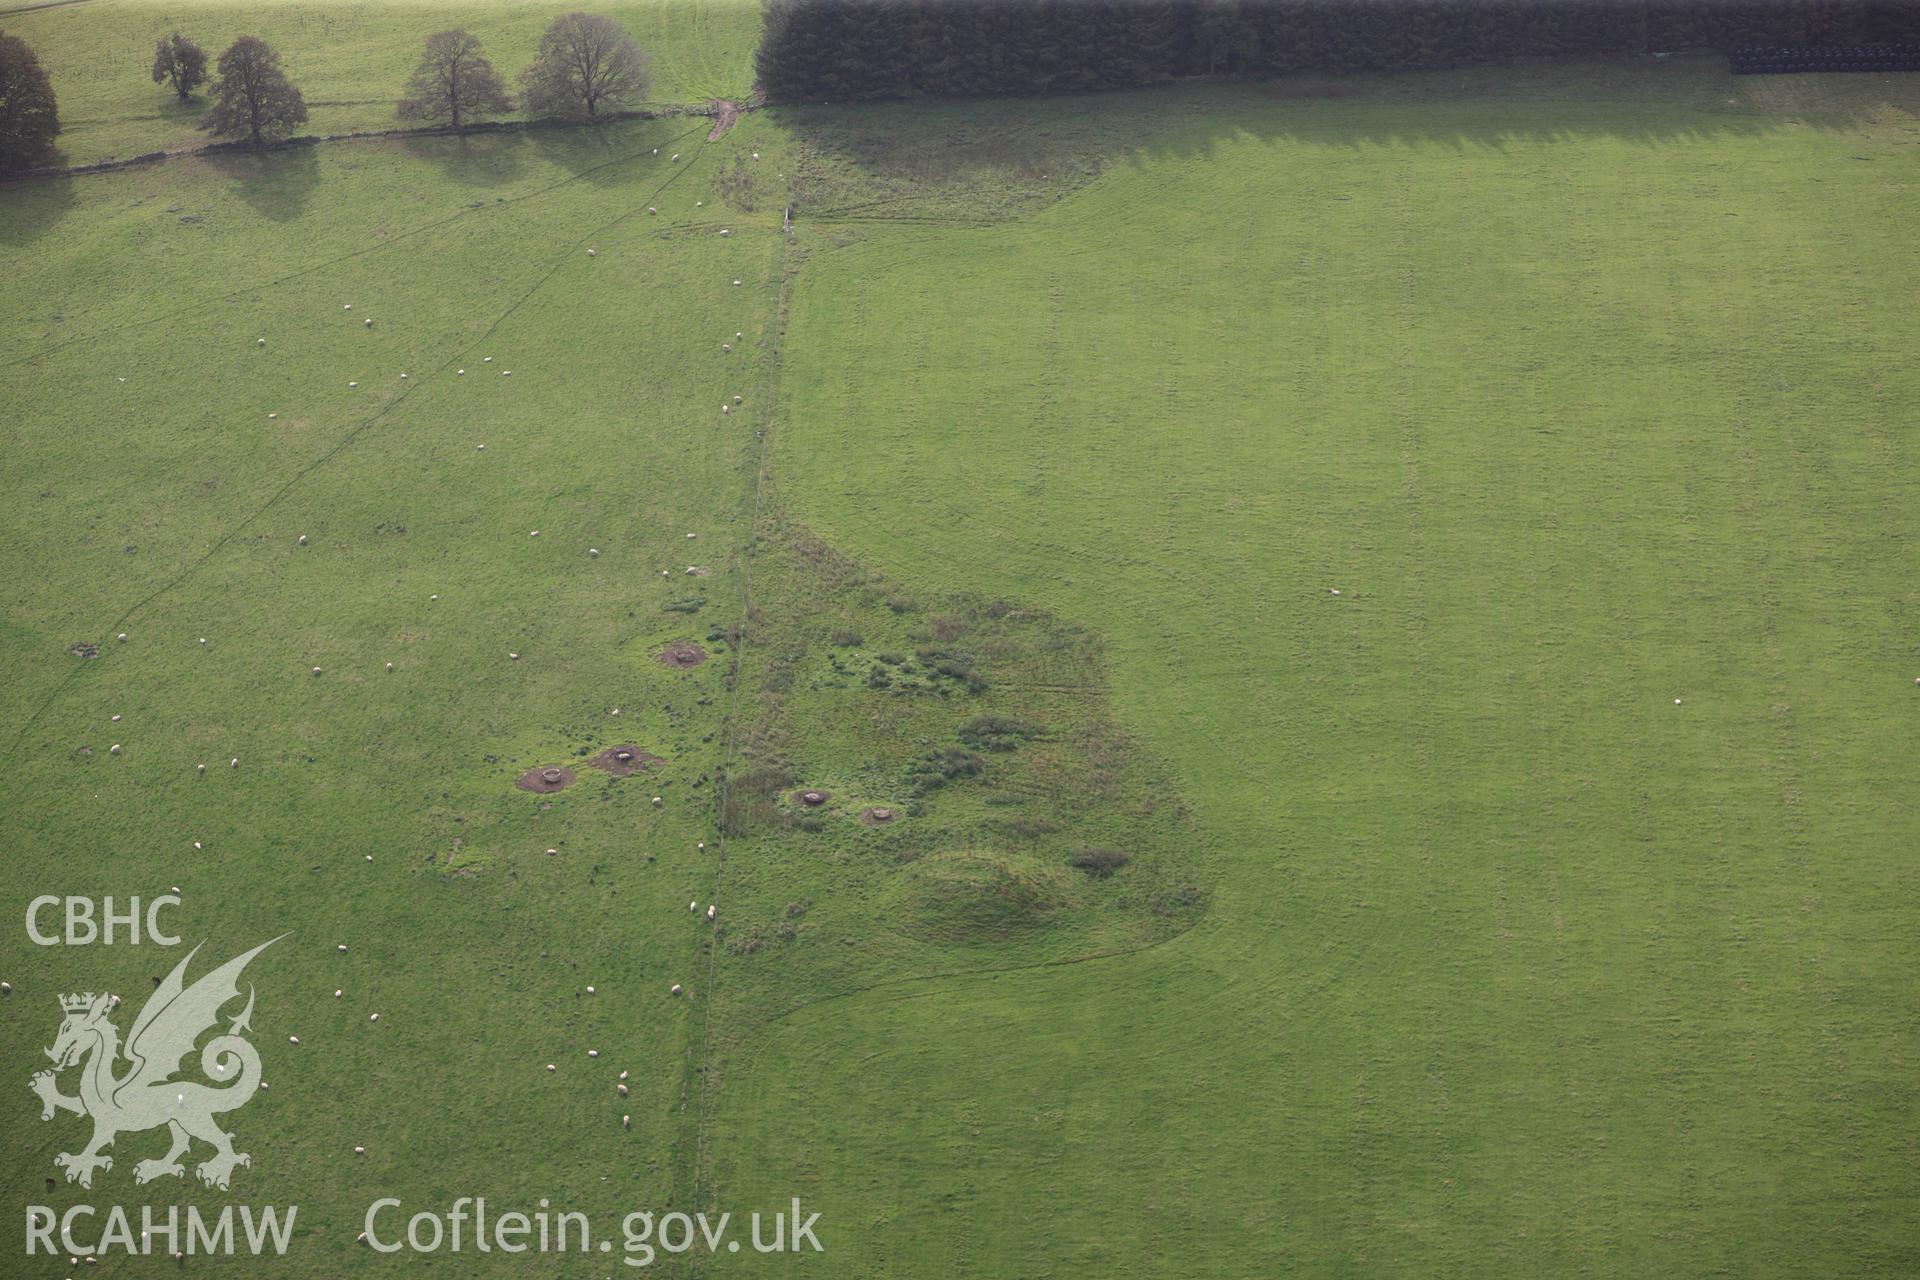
x=149, y=1092
x=146, y=1095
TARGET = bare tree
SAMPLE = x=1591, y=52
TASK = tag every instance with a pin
x=454, y=82
x=251, y=95
x=180, y=62
x=586, y=65
x=29, y=118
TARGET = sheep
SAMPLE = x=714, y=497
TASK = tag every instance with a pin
x=590, y=253
x=726, y=408
x=693, y=906
x=616, y=711
x=652, y=210
x=514, y=656
x=200, y=768
x=506, y=373
x=302, y=542
x=593, y=1053
x=656, y=802
x=433, y=597
x=693, y=535
x=553, y=853
x=534, y=534
x=259, y=342
x=272, y=416
x=656, y=151
x=316, y=671
x=756, y=155
x=479, y=448
x=552, y=1067
x=116, y=719
x=460, y=373
x=293, y=1039
x=403, y=377
x=676, y=989
x=203, y=642
x=486, y=360
x=590, y=991
x=368, y=322
x=725, y=232
x=676, y=155
x=621, y=1089
x=6, y=988
x=374, y=1018
x=352, y=384
x=196, y=844
x=736, y=399
x=336, y=993
x=234, y=763
x=593, y=553
x=739, y=333
x=736, y=284
x=711, y=912
x=701, y=845
x=626, y=1121
x=389, y=666
x=114, y=750
x=122, y=638
x=359, y=1151
x=1334, y=590
x=342, y=947
x=348, y=307
x=623, y=1075
x=726, y=346
x=1676, y=702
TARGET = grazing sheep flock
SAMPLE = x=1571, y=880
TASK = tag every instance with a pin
x=302, y=540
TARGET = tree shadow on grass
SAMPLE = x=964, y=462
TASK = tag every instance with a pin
x=987, y=159
x=31, y=207
x=472, y=159
x=278, y=183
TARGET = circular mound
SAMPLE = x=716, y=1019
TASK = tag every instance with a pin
x=974, y=898
x=623, y=760
x=811, y=799
x=878, y=815
x=547, y=778
x=683, y=655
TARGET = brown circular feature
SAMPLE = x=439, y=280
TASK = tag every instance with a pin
x=624, y=759
x=878, y=816
x=811, y=799
x=545, y=779
x=683, y=655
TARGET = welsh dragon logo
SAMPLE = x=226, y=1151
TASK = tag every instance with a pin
x=146, y=1095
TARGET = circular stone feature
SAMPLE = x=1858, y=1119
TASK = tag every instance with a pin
x=878, y=816
x=546, y=778
x=811, y=799
x=623, y=760
x=683, y=655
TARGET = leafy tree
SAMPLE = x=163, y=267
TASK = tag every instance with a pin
x=180, y=62
x=252, y=97
x=29, y=118
x=587, y=64
x=454, y=82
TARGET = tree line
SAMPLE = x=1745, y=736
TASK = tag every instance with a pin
x=585, y=67
x=862, y=49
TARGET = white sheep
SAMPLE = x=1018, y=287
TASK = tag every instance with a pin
x=341, y=947
x=514, y=656
x=711, y=912
x=656, y=802
x=676, y=155
x=593, y=553
x=389, y=666
x=590, y=253
x=353, y=384
x=259, y=342
x=114, y=750
x=359, y=1151
x=303, y=542
x=676, y=989
x=693, y=906
x=293, y=1039
x=552, y=1067
x=368, y=322
x=374, y=1018
x=235, y=764
x=316, y=671
x=590, y=991
x=621, y=1089
x=626, y=1121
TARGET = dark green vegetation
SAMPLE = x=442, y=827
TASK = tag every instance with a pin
x=29, y=114
x=1219, y=925
x=854, y=49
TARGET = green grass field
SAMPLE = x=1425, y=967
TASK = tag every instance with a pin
x=1541, y=903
